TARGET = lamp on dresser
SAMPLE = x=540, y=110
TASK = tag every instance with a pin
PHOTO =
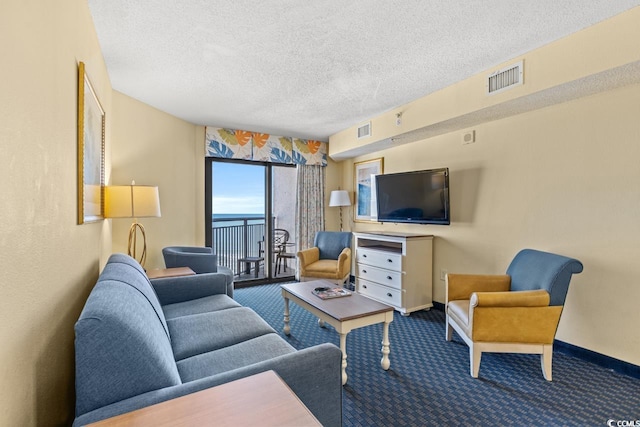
x=339, y=198
x=133, y=201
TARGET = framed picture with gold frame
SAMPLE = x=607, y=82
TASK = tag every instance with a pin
x=364, y=196
x=91, y=128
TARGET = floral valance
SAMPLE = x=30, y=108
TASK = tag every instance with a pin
x=262, y=147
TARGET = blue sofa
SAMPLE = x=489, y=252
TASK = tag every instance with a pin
x=140, y=342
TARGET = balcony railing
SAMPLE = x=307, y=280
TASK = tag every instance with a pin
x=238, y=239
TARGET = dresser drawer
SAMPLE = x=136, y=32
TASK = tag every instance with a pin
x=378, y=292
x=378, y=275
x=382, y=259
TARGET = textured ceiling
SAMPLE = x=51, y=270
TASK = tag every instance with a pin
x=312, y=68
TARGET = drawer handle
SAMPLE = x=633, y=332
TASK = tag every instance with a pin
x=389, y=277
x=364, y=255
x=364, y=286
x=364, y=271
x=389, y=294
x=389, y=260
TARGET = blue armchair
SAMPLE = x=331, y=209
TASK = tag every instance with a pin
x=199, y=259
x=329, y=258
x=517, y=312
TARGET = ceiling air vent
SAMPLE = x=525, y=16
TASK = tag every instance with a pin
x=505, y=78
x=364, y=130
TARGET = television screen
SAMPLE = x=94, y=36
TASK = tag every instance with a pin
x=416, y=197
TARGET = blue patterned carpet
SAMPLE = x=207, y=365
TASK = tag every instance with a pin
x=429, y=382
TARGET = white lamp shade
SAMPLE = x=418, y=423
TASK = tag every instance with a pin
x=131, y=201
x=339, y=198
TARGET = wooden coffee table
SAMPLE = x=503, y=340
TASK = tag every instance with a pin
x=344, y=314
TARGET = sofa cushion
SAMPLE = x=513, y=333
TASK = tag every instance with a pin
x=232, y=357
x=122, y=349
x=201, y=333
x=199, y=306
x=325, y=268
x=123, y=268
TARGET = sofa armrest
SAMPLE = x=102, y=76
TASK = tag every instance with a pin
x=461, y=286
x=537, y=298
x=171, y=290
x=314, y=375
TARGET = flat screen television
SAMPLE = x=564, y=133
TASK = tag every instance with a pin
x=420, y=197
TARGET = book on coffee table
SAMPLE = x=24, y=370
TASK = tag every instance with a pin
x=328, y=293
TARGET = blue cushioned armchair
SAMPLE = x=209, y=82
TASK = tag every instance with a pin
x=199, y=259
x=517, y=312
x=329, y=258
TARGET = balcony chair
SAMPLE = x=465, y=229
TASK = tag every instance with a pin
x=279, y=248
x=517, y=312
x=329, y=258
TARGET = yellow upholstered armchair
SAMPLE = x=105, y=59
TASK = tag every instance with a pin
x=517, y=312
x=329, y=258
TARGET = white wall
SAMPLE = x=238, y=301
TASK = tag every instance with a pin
x=284, y=200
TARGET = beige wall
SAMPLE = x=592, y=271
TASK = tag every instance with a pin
x=599, y=57
x=49, y=263
x=334, y=176
x=155, y=148
x=562, y=179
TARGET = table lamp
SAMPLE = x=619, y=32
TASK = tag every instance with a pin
x=339, y=198
x=133, y=201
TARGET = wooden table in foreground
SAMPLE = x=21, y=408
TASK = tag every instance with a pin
x=259, y=400
x=344, y=314
x=158, y=273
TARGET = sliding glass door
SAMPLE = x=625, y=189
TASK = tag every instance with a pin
x=239, y=197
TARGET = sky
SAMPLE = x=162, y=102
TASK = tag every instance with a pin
x=238, y=189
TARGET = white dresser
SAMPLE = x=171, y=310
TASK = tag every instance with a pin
x=395, y=269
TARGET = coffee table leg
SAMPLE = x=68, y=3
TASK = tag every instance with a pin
x=287, y=329
x=343, y=347
x=385, y=362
